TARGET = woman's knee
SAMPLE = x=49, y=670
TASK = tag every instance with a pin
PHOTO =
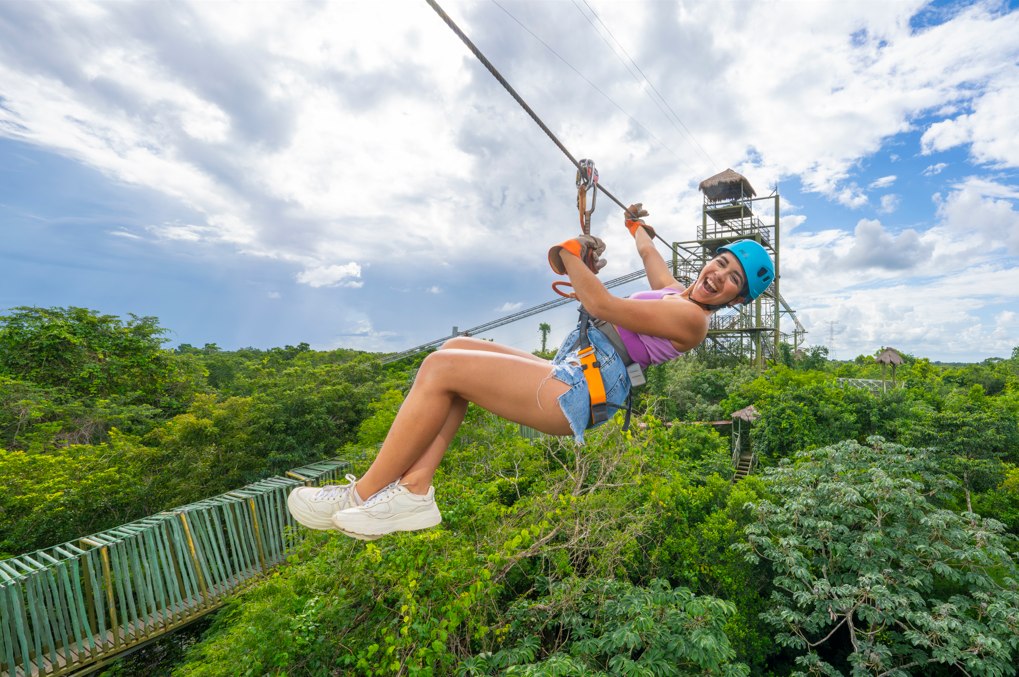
x=460, y=343
x=436, y=368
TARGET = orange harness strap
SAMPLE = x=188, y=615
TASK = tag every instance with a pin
x=592, y=373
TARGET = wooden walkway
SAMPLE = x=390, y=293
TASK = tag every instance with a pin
x=74, y=607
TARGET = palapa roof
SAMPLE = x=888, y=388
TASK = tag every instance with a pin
x=727, y=185
x=748, y=414
x=889, y=356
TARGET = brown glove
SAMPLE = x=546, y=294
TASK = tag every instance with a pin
x=634, y=221
x=587, y=248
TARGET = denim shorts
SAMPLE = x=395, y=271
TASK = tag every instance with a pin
x=576, y=402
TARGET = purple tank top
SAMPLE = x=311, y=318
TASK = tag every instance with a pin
x=644, y=349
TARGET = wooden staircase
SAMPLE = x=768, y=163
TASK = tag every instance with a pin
x=744, y=464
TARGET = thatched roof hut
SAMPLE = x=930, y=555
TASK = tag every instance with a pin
x=727, y=185
x=748, y=414
x=889, y=356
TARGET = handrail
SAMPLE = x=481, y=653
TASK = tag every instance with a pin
x=76, y=606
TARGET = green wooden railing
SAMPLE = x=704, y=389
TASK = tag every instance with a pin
x=74, y=607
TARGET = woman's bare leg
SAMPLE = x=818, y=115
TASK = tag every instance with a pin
x=419, y=476
x=469, y=343
x=510, y=384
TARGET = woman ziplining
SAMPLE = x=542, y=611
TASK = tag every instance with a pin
x=556, y=397
x=593, y=371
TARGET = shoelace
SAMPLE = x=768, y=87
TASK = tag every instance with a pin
x=333, y=491
x=383, y=494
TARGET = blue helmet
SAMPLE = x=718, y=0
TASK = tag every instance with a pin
x=757, y=266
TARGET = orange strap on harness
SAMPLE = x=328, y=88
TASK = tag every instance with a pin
x=592, y=372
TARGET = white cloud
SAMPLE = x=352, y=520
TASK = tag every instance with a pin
x=889, y=203
x=989, y=129
x=360, y=334
x=909, y=314
x=984, y=209
x=346, y=275
x=184, y=232
x=125, y=234
x=279, y=119
x=874, y=247
x=851, y=196
x=509, y=307
x=294, y=134
x=791, y=222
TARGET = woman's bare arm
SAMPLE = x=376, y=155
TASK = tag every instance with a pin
x=680, y=321
x=659, y=275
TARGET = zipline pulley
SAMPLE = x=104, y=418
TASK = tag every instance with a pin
x=587, y=182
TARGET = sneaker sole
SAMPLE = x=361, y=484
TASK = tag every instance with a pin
x=308, y=519
x=380, y=527
x=360, y=537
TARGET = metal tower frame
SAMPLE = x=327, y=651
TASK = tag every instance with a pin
x=751, y=332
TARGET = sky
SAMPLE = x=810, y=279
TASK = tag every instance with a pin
x=348, y=175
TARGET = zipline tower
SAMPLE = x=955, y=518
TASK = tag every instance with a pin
x=730, y=213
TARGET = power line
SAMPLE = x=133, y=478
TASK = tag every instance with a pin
x=519, y=315
x=674, y=118
x=831, y=339
x=523, y=104
x=593, y=85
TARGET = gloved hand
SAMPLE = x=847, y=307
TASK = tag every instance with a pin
x=587, y=248
x=633, y=219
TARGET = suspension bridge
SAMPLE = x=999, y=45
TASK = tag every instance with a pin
x=75, y=607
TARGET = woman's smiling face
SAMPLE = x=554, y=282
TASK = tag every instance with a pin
x=721, y=281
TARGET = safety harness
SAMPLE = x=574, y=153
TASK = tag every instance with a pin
x=587, y=182
x=591, y=367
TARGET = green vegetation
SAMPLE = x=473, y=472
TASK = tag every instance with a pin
x=877, y=535
x=100, y=425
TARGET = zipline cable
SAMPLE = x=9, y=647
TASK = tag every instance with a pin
x=509, y=88
x=523, y=104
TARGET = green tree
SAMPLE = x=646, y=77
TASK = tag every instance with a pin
x=813, y=357
x=1002, y=501
x=691, y=390
x=544, y=328
x=871, y=576
x=54, y=496
x=615, y=627
x=96, y=356
x=802, y=409
x=971, y=435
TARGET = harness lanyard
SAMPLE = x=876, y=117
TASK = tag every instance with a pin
x=587, y=182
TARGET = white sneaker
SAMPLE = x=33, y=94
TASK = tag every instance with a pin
x=394, y=508
x=314, y=506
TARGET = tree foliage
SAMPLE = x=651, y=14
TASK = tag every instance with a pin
x=96, y=356
x=635, y=554
x=868, y=568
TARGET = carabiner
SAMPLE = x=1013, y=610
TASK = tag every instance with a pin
x=558, y=286
x=587, y=180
